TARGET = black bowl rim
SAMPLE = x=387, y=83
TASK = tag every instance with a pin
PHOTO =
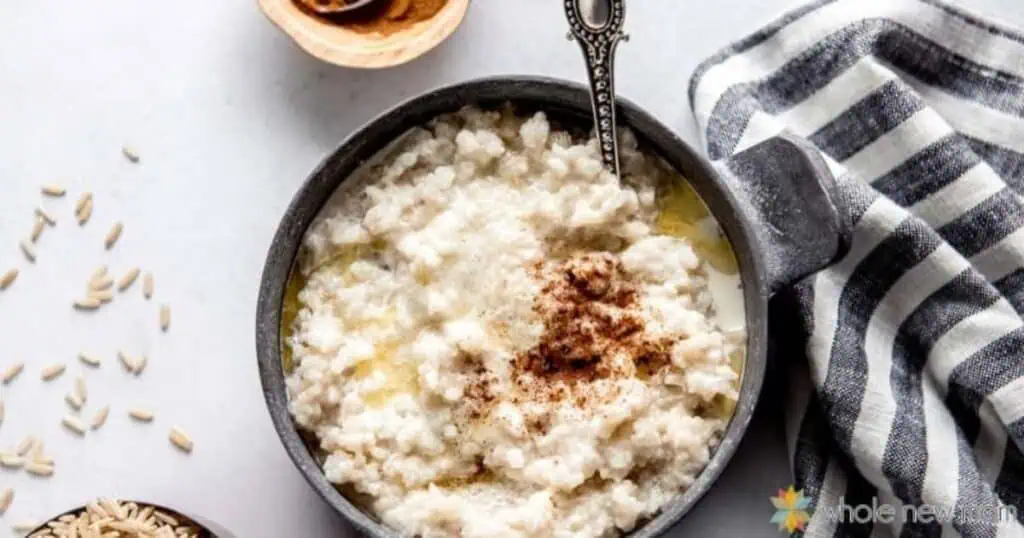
x=737, y=225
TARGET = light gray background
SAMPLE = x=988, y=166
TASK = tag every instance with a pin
x=229, y=117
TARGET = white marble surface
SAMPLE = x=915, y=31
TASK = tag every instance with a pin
x=229, y=118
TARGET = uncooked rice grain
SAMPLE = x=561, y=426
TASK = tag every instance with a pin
x=128, y=279
x=1, y=410
x=113, y=508
x=108, y=519
x=43, y=214
x=103, y=296
x=89, y=359
x=130, y=154
x=128, y=362
x=8, y=279
x=52, y=189
x=113, y=235
x=141, y=415
x=40, y=469
x=84, y=199
x=11, y=461
x=147, y=285
x=26, y=445
x=37, y=450
x=74, y=401
x=102, y=284
x=81, y=390
x=6, y=497
x=72, y=423
x=100, y=417
x=24, y=526
x=12, y=372
x=140, y=365
x=181, y=440
x=53, y=372
x=89, y=303
x=86, y=212
x=165, y=317
x=28, y=251
x=37, y=230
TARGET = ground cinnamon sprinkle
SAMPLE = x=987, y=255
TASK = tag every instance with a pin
x=387, y=18
x=592, y=330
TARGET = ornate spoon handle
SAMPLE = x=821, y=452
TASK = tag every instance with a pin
x=598, y=40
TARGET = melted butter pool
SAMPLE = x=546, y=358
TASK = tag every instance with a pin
x=682, y=214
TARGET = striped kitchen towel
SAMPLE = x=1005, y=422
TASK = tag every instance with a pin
x=908, y=353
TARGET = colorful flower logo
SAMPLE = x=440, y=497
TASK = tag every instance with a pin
x=791, y=510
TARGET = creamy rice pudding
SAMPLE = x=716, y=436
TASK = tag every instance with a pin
x=493, y=337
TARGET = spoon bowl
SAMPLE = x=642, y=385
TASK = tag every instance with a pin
x=336, y=7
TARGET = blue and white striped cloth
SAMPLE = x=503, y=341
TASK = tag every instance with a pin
x=908, y=354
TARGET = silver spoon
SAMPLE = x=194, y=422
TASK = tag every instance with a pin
x=334, y=7
x=597, y=26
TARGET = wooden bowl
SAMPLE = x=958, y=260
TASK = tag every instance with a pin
x=338, y=45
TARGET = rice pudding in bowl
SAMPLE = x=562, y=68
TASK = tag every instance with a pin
x=487, y=334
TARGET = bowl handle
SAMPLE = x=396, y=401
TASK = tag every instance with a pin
x=788, y=193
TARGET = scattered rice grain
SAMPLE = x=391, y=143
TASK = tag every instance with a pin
x=24, y=526
x=100, y=417
x=40, y=469
x=52, y=189
x=85, y=213
x=8, y=279
x=6, y=497
x=126, y=361
x=12, y=372
x=37, y=450
x=140, y=365
x=1, y=410
x=128, y=279
x=72, y=423
x=89, y=359
x=28, y=251
x=89, y=303
x=81, y=390
x=53, y=372
x=181, y=440
x=26, y=445
x=130, y=154
x=43, y=214
x=84, y=199
x=147, y=285
x=141, y=415
x=113, y=235
x=165, y=317
x=11, y=461
x=103, y=296
x=37, y=230
x=74, y=401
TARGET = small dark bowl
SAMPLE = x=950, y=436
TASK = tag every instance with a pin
x=773, y=201
x=206, y=528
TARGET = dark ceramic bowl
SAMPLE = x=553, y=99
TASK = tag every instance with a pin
x=775, y=202
x=206, y=529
